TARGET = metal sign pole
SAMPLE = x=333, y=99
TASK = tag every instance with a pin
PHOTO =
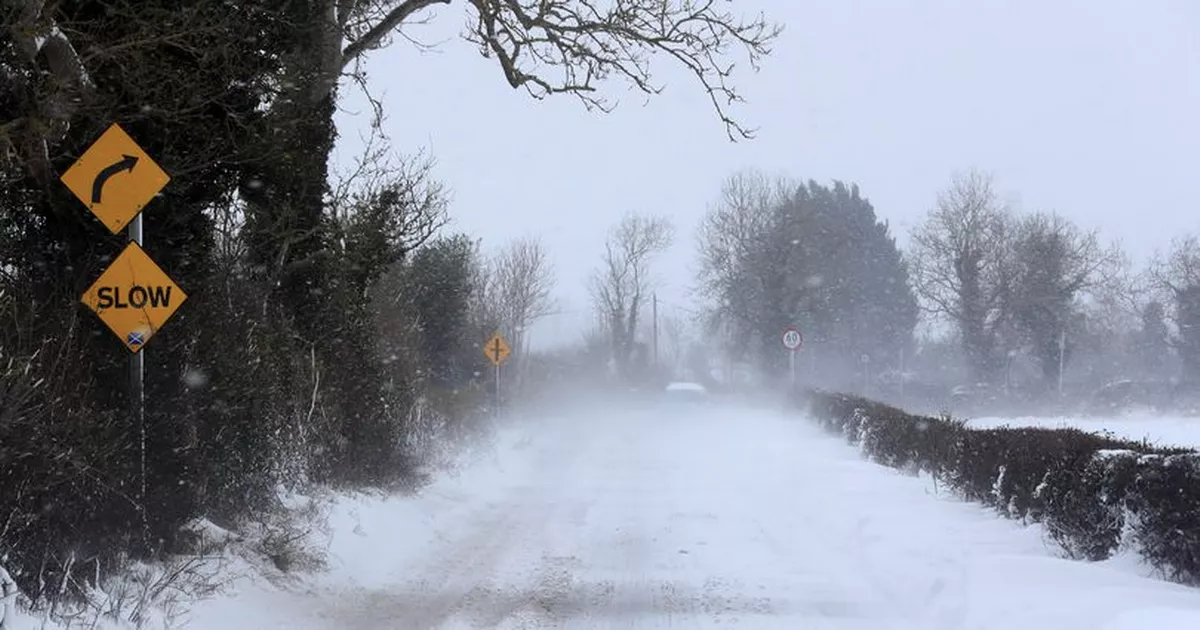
x=137, y=389
x=116, y=191
x=792, y=367
x=496, y=351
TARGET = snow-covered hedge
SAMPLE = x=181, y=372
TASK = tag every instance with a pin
x=1094, y=494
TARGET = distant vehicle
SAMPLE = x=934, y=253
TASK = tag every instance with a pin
x=686, y=392
x=972, y=393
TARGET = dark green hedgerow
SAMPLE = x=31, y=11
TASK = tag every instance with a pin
x=1092, y=493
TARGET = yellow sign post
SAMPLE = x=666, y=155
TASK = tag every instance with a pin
x=115, y=178
x=133, y=297
x=496, y=350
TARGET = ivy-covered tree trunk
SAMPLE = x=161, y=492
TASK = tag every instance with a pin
x=289, y=234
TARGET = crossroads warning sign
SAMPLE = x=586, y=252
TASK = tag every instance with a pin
x=134, y=298
x=496, y=349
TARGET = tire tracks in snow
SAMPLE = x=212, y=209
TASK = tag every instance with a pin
x=476, y=577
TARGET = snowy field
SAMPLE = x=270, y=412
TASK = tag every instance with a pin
x=704, y=518
x=1163, y=430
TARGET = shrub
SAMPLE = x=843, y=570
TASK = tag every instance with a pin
x=1164, y=497
x=1092, y=493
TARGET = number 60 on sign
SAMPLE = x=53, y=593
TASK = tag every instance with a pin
x=792, y=339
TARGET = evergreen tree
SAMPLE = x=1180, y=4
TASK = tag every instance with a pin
x=776, y=255
x=438, y=286
x=1153, y=345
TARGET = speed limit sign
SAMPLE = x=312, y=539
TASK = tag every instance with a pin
x=792, y=339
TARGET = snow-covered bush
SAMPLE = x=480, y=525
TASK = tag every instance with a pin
x=1165, y=499
x=1093, y=493
x=1083, y=509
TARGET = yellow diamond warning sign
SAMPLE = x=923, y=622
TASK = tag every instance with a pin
x=133, y=297
x=115, y=178
x=496, y=349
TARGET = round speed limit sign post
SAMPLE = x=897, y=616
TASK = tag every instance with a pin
x=792, y=340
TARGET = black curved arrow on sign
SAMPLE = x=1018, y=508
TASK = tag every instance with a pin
x=126, y=163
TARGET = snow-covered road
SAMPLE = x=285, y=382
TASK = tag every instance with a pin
x=687, y=518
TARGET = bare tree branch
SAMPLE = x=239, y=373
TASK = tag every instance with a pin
x=571, y=46
x=374, y=36
x=387, y=207
x=737, y=230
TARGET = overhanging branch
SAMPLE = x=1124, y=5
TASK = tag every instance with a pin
x=374, y=36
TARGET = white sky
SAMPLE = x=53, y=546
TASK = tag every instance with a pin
x=1087, y=108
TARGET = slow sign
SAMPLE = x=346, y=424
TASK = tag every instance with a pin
x=133, y=297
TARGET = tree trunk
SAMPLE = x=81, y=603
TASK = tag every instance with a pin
x=1187, y=303
x=289, y=241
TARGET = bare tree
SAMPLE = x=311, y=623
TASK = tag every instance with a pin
x=959, y=262
x=1118, y=297
x=621, y=284
x=378, y=172
x=674, y=342
x=482, y=302
x=386, y=208
x=744, y=257
x=736, y=229
x=523, y=279
x=1054, y=264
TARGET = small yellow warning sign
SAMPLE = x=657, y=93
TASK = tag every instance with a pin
x=496, y=349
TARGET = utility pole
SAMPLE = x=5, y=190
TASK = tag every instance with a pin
x=728, y=334
x=655, y=317
x=525, y=364
x=866, y=367
x=1062, y=353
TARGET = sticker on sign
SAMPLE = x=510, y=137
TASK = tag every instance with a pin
x=792, y=339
